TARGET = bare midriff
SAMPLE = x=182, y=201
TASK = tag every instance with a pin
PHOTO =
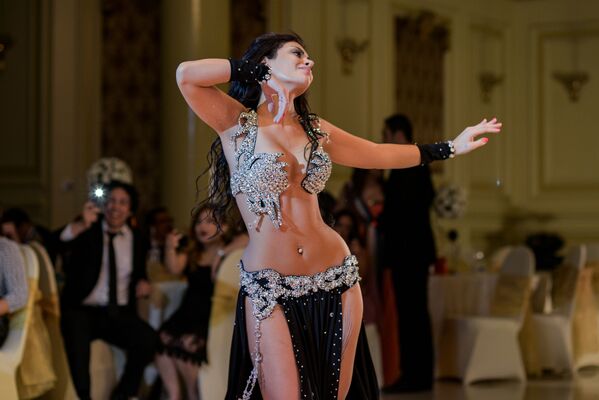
x=304, y=245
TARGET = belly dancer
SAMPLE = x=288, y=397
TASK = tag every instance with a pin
x=299, y=316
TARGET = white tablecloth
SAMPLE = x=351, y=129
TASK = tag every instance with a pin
x=466, y=294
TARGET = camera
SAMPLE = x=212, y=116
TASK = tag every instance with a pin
x=97, y=195
x=183, y=243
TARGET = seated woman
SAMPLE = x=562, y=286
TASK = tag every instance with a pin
x=13, y=283
x=183, y=335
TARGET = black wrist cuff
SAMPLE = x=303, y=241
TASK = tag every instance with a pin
x=437, y=151
x=248, y=72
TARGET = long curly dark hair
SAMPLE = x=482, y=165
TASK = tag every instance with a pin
x=218, y=191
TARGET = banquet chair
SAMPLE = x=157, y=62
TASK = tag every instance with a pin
x=487, y=347
x=553, y=332
x=35, y=376
x=63, y=388
x=586, y=316
x=107, y=362
x=593, y=263
x=498, y=257
x=11, y=353
x=213, y=375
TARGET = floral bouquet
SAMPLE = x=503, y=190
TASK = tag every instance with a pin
x=450, y=201
x=108, y=169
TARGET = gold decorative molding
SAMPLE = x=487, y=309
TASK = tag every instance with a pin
x=573, y=82
x=487, y=81
x=489, y=75
x=349, y=48
x=542, y=187
x=427, y=24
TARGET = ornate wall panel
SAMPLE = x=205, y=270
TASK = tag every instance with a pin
x=421, y=43
x=568, y=137
x=131, y=90
x=23, y=116
x=248, y=20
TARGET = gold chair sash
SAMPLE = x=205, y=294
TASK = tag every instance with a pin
x=585, y=334
x=35, y=375
x=564, y=280
x=511, y=296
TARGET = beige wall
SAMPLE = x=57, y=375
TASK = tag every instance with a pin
x=545, y=159
x=542, y=172
x=45, y=148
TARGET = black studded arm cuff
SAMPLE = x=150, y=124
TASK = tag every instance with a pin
x=247, y=71
x=437, y=151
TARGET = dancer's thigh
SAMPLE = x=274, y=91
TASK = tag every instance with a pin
x=278, y=375
x=352, y=306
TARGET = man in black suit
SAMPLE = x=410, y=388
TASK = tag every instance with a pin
x=104, y=268
x=409, y=250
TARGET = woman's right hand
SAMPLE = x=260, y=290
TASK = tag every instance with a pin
x=273, y=88
x=90, y=213
x=172, y=239
x=467, y=140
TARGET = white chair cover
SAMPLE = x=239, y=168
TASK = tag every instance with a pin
x=551, y=340
x=12, y=351
x=107, y=362
x=63, y=388
x=482, y=348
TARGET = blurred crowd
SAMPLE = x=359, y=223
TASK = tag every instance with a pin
x=113, y=267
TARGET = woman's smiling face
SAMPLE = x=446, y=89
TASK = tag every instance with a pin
x=292, y=65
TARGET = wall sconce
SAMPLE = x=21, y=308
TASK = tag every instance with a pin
x=348, y=47
x=572, y=82
x=487, y=81
x=575, y=78
x=5, y=44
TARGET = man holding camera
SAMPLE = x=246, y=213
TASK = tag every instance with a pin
x=104, y=268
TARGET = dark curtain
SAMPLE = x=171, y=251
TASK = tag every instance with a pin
x=421, y=42
x=131, y=90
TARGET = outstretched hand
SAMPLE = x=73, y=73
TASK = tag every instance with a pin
x=273, y=89
x=466, y=141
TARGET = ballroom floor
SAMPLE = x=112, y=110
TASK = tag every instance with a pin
x=583, y=387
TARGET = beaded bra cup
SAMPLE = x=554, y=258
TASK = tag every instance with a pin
x=262, y=177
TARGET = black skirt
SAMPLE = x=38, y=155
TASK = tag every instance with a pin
x=315, y=324
x=184, y=334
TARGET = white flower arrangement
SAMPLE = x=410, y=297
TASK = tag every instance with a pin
x=450, y=201
x=108, y=169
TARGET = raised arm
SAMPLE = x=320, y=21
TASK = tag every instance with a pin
x=197, y=81
x=175, y=261
x=353, y=151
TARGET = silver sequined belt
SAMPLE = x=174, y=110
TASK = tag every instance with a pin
x=266, y=286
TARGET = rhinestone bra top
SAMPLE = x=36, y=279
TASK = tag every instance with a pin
x=263, y=178
x=266, y=286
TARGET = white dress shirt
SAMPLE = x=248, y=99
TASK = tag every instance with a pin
x=123, y=251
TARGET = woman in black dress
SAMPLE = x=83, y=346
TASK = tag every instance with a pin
x=183, y=335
